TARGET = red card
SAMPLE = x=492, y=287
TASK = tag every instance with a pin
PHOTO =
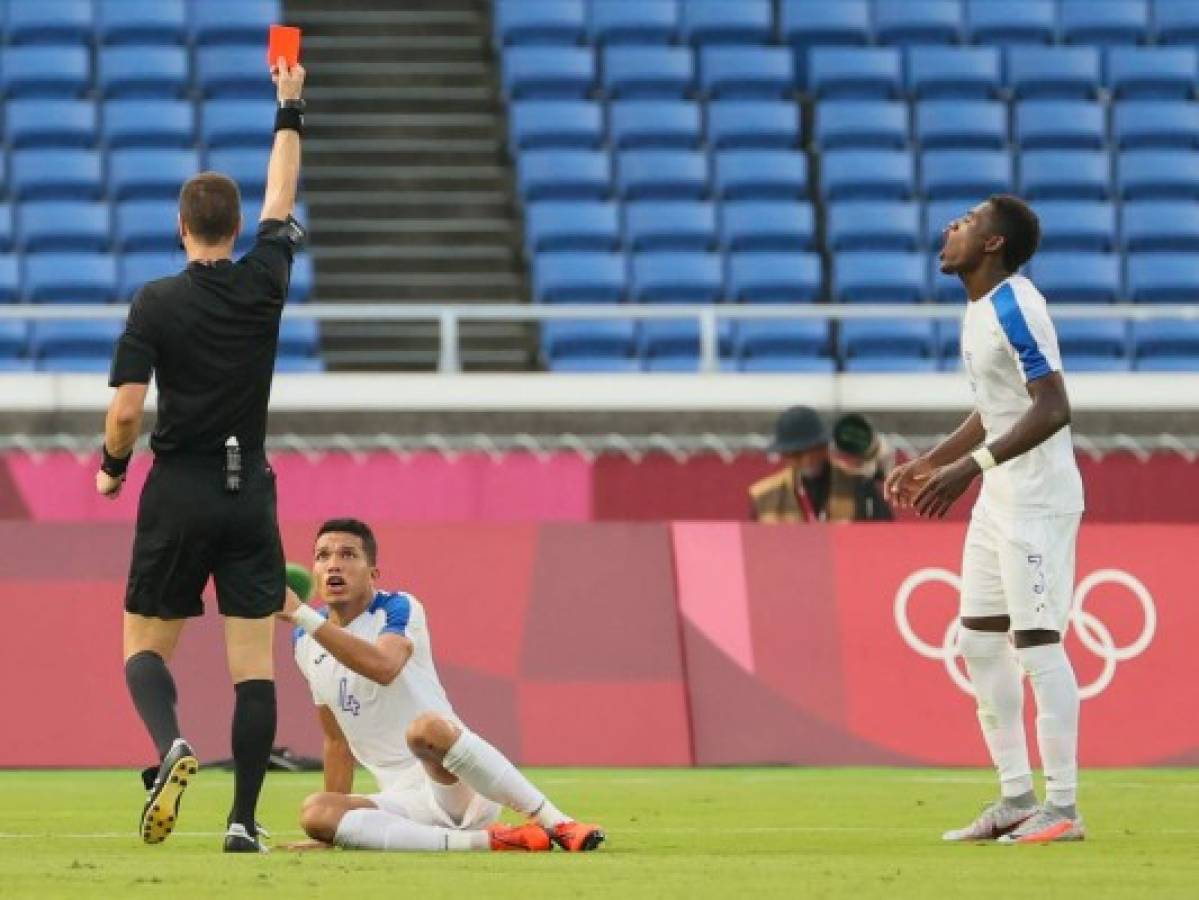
x=285, y=42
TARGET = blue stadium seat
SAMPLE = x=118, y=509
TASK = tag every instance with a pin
x=1176, y=22
x=303, y=279
x=141, y=22
x=143, y=72
x=1163, y=278
x=1086, y=225
x=1082, y=338
x=591, y=339
x=855, y=72
x=867, y=175
x=10, y=279
x=14, y=337
x=540, y=22
x=962, y=124
x=944, y=288
x=655, y=123
x=59, y=22
x=952, y=72
x=949, y=342
x=1160, y=225
x=676, y=277
x=879, y=277
x=45, y=71
x=926, y=22
x=234, y=21
x=670, y=225
x=775, y=277
x=63, y=225
x=767, y=72
x=1159, y=342
x=162, y=123
x=763, y=339
x=643, y=22
x=50, y=123
x=577, y=225
x=548, y=72
x=721, y=22
x=545, y=124
x=1011, y=22
x=1088, y=22
x=806, y=23
x=898, y=364
x=1060, y=125
x=234, y=72
x=595, y=364
x=861, y=123
x=761, y=174
x=1158, y=174
x=146, y=174
x=579, y=277
x=138, y=268
x=674, y=344
x=792, y=365
x=70, y=278
x=146, y=225
x=236, y=123
x=1078, y=277
x=56, y=175
x=1163, y=124
x=1078, y=363
x=896, y=339
x=873, y=225
x=967, y=176
x=247, y=166
x=299, y=337
x=661, y=72
x=7, y=227
x=1070, y=73
x=753, y=124
x=1152, y=73
x=1065, y=175
x=767, y=226
x=662, y=175
x=299, y=365
x=74, y=345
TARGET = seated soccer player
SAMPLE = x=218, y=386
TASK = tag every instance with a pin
x=369, y=664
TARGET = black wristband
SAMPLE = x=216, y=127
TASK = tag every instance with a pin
x=289, y=118
x=113, y=466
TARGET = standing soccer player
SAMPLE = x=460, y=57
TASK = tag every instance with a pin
x=1018, y=561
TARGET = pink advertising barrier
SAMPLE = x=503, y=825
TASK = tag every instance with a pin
x=655, y=644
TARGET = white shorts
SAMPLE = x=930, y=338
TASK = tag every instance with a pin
x=1022, y=568
x=419, y=798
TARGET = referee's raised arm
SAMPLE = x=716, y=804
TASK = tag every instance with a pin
x=283, y=170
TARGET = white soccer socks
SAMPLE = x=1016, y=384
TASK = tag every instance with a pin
x=484, y=768
x=1056, y=690
x=373, y=829
x=999, y=689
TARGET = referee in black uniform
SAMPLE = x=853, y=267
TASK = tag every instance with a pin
x=209, y=336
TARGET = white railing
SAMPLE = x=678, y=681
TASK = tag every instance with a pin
x=450, y=316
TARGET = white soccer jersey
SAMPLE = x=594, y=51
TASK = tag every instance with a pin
x=374, y=717
x=1008, y=340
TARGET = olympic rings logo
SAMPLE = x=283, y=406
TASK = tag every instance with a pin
x=1092, y=633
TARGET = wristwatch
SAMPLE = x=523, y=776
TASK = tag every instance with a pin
x=298, y=105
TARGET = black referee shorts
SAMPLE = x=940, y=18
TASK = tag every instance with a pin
x=189, y=528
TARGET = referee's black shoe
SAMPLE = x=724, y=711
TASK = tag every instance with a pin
x=238, y=840
x=161, y=812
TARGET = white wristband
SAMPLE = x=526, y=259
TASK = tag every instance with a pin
x=984, y=458
x=308, y=618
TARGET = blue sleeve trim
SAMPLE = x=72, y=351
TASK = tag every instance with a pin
x=398, y=609
x=1015, y=326
x=296, y=634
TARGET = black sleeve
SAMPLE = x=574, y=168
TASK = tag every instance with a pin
x=875, y=505
x=137, y=349
x=273, y=252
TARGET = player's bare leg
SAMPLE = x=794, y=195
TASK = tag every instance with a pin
x=450, y=753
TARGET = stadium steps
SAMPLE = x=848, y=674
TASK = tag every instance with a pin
x=405, y=177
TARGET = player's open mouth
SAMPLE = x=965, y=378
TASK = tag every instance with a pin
x=334, y=582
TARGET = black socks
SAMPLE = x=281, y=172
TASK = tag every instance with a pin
x=153, y=691
x=253, y=733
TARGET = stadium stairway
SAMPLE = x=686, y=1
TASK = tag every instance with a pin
x=405, y=177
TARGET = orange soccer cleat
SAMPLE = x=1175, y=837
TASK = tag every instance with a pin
x=528, y=838
x=577, y=837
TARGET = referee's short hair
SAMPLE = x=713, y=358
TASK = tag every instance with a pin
x=1014, y=219
x=210, y=207
x=355, y=527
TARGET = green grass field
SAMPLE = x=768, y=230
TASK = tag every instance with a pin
x=744, y=833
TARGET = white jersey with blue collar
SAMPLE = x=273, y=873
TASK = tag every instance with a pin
x=1008, y=340
x=375, y=717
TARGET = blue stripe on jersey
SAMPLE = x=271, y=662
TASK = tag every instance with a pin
x=1032, y=360
x=397, y=607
